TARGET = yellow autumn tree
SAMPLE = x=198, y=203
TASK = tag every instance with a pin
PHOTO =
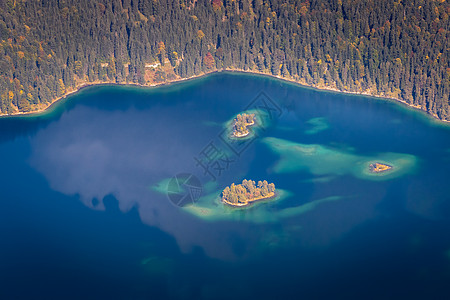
x=200, y=34
x=161, y=47
x=78, y=68
x=61, y=87
x=30, y=97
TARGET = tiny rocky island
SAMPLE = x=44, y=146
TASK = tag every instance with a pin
x=247, y=192
x=379, y=168
x=241, y=123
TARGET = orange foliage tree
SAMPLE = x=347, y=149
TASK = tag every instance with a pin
x=217, y=4
x=208, y=61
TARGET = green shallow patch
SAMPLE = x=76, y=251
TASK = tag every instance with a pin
x=211, y=208
x=401, y=164
x=301, y=209
x=161, y=187
x=317, y=125
x=322, y=160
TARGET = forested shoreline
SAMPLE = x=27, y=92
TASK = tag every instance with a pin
x=383, y=48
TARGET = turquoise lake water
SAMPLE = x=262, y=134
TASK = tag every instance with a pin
x=90, y=209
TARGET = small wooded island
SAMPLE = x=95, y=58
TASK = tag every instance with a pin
x=247, y=192
x=241, y=123
x=379, y=168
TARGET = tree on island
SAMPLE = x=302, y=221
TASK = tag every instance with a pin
x=241, y=122
x=242, y=194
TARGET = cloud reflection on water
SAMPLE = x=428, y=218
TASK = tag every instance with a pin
x=93, y=153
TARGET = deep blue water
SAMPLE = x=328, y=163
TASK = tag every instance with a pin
x=80, y=217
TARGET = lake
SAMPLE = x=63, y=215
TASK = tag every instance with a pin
x=113, y=193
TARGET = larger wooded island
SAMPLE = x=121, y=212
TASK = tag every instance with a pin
x=247, y=192
x=241, y=123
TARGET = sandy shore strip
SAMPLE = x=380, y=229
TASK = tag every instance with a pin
x=231, y=70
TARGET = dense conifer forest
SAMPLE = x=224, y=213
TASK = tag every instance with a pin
x=397, y=49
